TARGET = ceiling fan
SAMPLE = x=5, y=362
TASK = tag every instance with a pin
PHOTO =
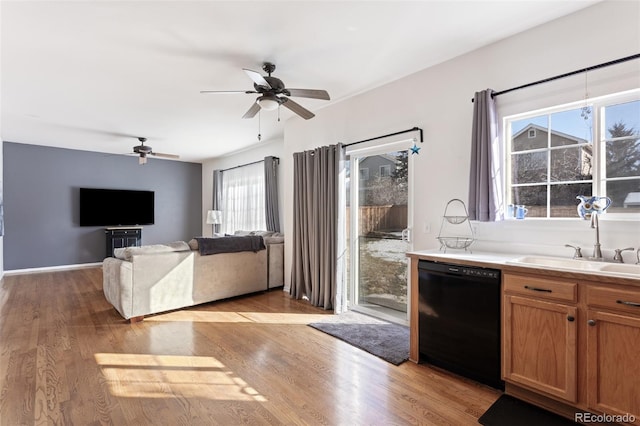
x=270, y=90
x=143, y=150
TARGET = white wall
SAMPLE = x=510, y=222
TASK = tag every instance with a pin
x=438, y=100
x=254, y=153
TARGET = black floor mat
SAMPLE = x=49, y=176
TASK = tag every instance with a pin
x=509, y=411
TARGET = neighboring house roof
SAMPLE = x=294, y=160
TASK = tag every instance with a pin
x=632, y=199
x=553, y=132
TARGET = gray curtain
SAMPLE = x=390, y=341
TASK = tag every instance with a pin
x=217, y=194
x=314, y=273
x=484, y=180
x=272, y=211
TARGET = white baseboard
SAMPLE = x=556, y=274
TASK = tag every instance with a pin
x=52, y=268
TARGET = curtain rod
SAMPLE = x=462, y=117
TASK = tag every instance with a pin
x=415, y=129
x=248, y=164
x=568, y=74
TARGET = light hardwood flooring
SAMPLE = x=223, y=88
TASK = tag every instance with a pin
x=68, y=358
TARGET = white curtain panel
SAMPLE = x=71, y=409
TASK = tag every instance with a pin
x=243, y=198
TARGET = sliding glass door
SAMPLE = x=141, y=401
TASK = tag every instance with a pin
x=378, y=199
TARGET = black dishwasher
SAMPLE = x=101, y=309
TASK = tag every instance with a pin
x=459, y=320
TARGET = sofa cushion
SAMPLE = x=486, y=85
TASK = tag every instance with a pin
x=273, y=240
x=126, y=253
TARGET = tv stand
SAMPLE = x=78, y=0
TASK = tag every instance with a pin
x=122, y=237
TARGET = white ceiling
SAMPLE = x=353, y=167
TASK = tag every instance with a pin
x=93, y=75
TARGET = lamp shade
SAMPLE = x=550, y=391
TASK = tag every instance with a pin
x=214, y=217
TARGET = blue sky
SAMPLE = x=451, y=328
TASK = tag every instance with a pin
x=571, y=122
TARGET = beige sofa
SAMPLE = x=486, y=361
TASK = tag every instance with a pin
x=152, y=279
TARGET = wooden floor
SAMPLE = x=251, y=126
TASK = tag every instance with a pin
x=68, y=358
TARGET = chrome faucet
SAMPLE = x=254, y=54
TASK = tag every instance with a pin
x=597, y=253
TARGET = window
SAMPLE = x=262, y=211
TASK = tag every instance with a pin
x=385, y=170
x=364, y=173
x=558, y=153
x=243, y=196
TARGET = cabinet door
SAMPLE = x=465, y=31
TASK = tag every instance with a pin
x=539, y=346
x=613, y=351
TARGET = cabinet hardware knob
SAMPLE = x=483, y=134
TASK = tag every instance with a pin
x=591, y=322
x=570, y=318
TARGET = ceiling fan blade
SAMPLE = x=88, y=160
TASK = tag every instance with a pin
x=160, y=154
x=252, y=111
x=297, y=108
x=226, y=92
x=309, y=93
x=257, y=78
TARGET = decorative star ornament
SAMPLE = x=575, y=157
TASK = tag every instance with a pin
x=415, y=149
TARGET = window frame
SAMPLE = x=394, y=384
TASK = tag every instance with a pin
x=599, y=139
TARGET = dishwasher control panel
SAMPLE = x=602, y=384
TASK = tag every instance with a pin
x=484, y=273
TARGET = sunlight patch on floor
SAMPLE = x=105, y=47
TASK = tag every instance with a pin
x=168, y=376
x=198, y=316
x=237, y=317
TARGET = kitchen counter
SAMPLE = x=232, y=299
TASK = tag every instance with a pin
x=499, y=261
x=502, y=261
x=562, y=323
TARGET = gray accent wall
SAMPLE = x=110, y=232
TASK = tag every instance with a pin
x=41, y=202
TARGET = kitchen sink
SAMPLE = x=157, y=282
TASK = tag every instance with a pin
x=622, y=268
x=581, y=265
x=559, y=263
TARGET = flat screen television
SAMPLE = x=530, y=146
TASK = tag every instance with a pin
x=116, y=207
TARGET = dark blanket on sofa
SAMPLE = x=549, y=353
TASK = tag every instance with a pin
x=230, y=244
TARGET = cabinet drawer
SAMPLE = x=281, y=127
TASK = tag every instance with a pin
x=614, y=298
x=541, y=287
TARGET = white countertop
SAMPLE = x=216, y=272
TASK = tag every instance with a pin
x=484, y=257
x=499, y=260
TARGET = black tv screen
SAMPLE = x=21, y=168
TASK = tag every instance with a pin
x=116, y=207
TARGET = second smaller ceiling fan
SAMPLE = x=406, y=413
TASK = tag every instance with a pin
x=144, y=150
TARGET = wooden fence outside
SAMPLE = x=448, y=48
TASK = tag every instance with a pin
x=381, y=218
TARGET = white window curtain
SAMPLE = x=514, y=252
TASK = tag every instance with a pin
x=243, y=195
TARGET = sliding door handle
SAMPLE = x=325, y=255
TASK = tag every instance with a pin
x=406, y=235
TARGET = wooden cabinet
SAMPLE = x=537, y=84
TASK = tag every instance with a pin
x=559, y=333
x=539, y=336
x=122, y=237
x=613, y=350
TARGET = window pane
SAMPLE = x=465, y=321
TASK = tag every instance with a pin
x=623, y=158
x=571, y=127
x=622, y=119
x=534, y=198
x=529, y=168
x=530, y=133
x=563, y=198
x=570, y=164
x=625, y=196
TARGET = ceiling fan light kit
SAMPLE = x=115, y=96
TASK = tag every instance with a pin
x=268, y=103
x=273, y=93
